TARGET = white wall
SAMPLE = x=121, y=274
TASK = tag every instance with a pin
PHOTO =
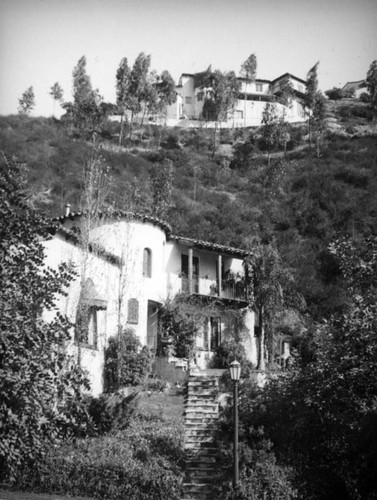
x=127, y=240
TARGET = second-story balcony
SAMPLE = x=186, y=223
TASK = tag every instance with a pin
x=230, y=289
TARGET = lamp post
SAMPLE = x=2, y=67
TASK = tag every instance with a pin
x=235, y=372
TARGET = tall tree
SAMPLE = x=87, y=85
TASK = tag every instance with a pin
x=166, y=95
x=222, y=89
x=371, y=81
x=272, y=125
x=318, y=119
x=311, y=94
x=56, y=92
x=86, y=101
x=123, y=93
x=27, y=101
x=138, y=84
x=248, y=72
x=269, y=285
x=40, y=385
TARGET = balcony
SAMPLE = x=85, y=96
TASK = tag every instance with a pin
x=231, y=289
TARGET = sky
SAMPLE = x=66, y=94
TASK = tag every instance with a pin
x=41, y=41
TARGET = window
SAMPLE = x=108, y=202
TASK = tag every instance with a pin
x=199, y=96
x=259, y=87
x=215, y=333
x=133, y=312
x=238, y=114
x=300, y=88
x=86, y=328
x=188, y=100
x=147, y=263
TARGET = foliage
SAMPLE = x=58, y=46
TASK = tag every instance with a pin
x=27, y=101
x=327, y=405
x=56, y=92
x=123, y=98
x=161, y=178
x=228, y=351
x=177, y=323
x=86, y=107
x=274, y=128
x=286, y=92
x=223, y=89
x=143, y=461
x=262, y=475
x=311, y=86
x=371, y=81
x=126, y=362
x=334, y=94
x=249, y=68
x=111, y=411
x=40, y=384
x=270, y=290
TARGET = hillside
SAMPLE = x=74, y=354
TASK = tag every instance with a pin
x=233, y=197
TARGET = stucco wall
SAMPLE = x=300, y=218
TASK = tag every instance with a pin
x=117, y=284
x=103, y=275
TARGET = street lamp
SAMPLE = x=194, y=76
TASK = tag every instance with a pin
x=235, y=373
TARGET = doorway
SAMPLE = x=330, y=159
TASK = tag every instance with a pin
x=152, y=326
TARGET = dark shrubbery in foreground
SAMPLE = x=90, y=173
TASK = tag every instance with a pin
x=143, y=461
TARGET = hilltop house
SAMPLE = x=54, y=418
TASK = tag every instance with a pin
x=355, y=88
x=134, y=264
x=191, y=96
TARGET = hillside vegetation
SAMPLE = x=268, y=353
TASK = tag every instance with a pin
x=230, y=194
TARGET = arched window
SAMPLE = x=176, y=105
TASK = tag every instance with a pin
x=147, y=263
x=133, y=312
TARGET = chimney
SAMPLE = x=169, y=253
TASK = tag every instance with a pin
x=67, y=209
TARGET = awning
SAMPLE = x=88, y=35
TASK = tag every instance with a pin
x=91, y=297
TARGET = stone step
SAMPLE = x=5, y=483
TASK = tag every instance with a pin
x=198, y=432
x=198, y=487
x=200, y=474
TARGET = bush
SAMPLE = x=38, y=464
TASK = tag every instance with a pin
x=364, y=97
x=334, y=94
x=40, y=384
x=112, y=411
x=143, y=462
x=126, y=362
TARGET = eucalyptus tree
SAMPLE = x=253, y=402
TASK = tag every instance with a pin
x=248, y=72
x=138, y=85
x=27, y=101
x=56, y=92
x=311, y=94
x=123, y=93
x=86, y=107
x=222, y=90
x=371, y=81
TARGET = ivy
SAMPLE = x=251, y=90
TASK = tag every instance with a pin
x=40, y=385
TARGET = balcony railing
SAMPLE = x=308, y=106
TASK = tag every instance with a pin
x=233, y=290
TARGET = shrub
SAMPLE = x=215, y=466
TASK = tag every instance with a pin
x=126, y=362
x=143, y=462
x=364, y=97
x=112, y=411
x=40, y=384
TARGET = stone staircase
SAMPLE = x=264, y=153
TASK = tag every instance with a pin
x=201, y=415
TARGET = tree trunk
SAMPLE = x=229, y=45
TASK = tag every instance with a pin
x=261, y=358
x=121, y=129
x=131, y=125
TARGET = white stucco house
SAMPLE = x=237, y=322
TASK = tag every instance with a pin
x=134, y=263
x=248, y=112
